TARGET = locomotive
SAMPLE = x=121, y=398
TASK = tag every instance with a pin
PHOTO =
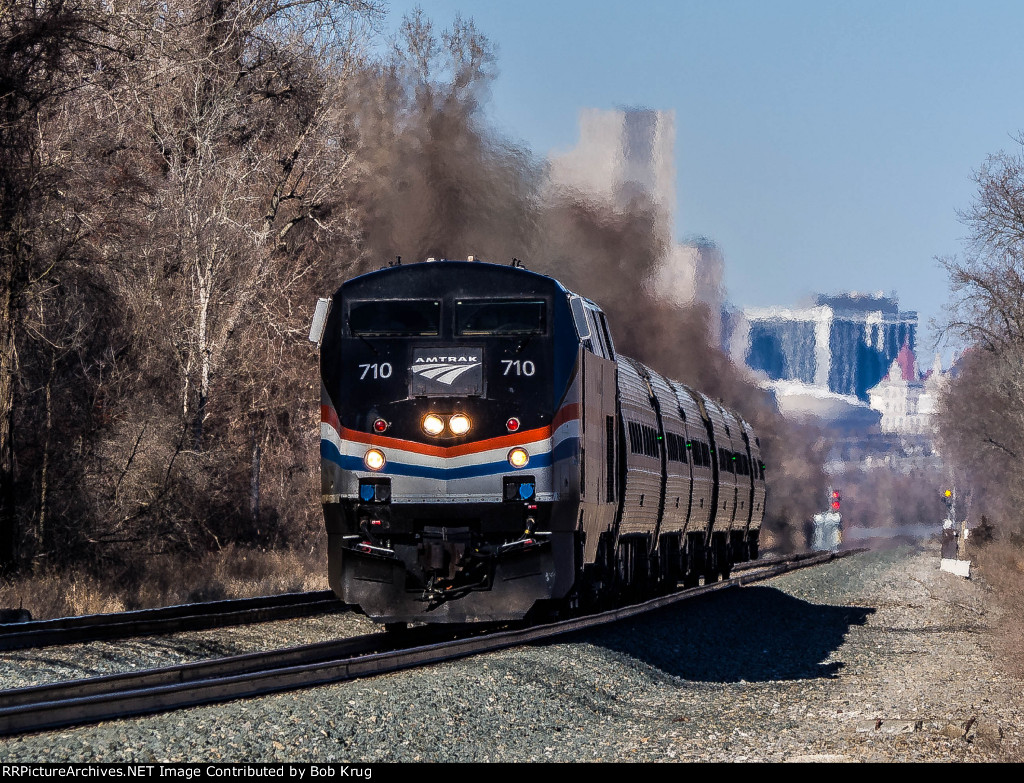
x=486, y=452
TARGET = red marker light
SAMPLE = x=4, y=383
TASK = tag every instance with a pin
x=380, y=425
x=512, y=424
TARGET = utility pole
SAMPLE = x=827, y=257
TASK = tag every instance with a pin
x=954, y=552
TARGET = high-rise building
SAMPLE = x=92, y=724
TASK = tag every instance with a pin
x=623, y=153
x=843, y=343
x=627, y=153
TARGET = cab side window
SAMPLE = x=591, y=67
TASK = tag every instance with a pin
x=579, y=316
x=599, y=345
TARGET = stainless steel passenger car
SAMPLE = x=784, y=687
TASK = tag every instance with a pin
x=485, y=451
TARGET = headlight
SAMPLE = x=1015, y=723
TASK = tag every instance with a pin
x=374, y=459
x=518, y=458
x=433, y=425
x=459, y=424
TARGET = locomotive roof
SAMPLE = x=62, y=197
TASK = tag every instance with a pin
x=439, y=278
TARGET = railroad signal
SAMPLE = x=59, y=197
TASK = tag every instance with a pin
x=835, y=499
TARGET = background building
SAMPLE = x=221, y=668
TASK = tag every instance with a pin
x=842, y=344
x=905, y=398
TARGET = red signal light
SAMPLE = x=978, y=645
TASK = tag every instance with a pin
x=380, y=425
x=835, y=500
x=512, y=424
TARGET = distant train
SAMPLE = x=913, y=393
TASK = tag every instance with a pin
x=486, y=452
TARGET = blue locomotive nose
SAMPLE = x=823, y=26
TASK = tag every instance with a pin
x=442, y=384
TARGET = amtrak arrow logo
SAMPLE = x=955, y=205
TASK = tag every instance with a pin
x=442, y=373
x=447, y=370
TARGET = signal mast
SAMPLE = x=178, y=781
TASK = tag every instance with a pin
x=828, y=525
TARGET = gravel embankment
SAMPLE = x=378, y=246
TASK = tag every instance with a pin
x=22, y=668
x=877, y=657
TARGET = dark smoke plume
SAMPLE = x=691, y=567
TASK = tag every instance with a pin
x=440, y=183
x=607, y=255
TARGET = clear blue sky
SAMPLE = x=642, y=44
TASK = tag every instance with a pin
x=824, y=146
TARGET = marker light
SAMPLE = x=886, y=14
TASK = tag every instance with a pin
x=380, y=425
x=374, y=459
x=518, y=458
x=459, y=424
x=433, y=425
x=512, y=424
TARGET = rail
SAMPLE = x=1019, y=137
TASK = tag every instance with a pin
x=168, y=619
x=255, y=674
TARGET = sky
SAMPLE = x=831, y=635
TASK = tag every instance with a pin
x=823, y=146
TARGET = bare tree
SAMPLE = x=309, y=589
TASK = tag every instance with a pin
x=47, y=49
x=165, y=170
x=240, y=105
x=981, y=423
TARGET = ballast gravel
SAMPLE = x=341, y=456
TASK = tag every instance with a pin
x=876, y=657
x=23, y=668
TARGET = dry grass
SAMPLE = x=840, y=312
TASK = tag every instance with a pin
x=59, y=595
x=1001, y=564
x=233, y=572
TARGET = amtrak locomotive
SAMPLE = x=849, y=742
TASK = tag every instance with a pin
x=486, y=452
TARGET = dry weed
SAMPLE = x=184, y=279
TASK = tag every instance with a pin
x=1001, y=563
x=60, y=595
x=233, y=572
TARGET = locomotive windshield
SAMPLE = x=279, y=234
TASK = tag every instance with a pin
x=395, y=317
x=477, y=317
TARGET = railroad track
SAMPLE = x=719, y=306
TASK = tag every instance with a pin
x=256, y=674
x=168, y=619
x=184, y=617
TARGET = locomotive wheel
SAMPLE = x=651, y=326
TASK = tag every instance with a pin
x=671, y=565
x=642, y=572
x=723, y=560
x=693, y=562
x=633, y=568
x=737, y=548
x=710, y=566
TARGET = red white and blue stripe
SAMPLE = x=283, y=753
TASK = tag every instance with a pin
x=345, y=447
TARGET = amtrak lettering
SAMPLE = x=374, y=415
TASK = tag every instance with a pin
x=439, y=371
x=436, y=359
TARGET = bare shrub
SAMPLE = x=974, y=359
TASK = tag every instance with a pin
x=167, y=580
x=233, y=572
x=55, y=594
x=1001, y=563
